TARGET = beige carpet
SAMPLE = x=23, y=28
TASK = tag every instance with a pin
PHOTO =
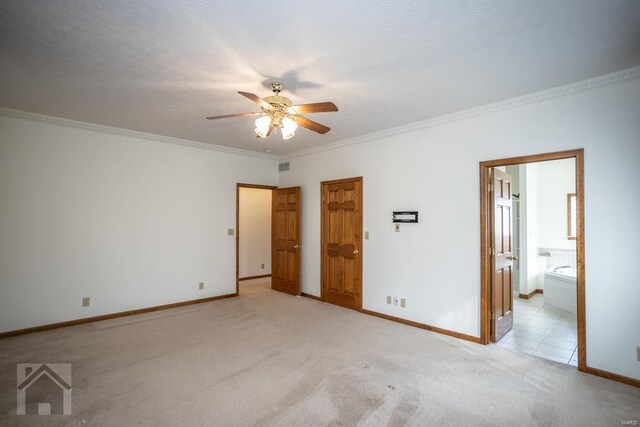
x=267, y=358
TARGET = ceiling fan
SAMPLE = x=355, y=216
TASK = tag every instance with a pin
x=279, y=113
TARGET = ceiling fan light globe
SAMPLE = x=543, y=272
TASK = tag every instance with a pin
x=288, y=128
x=262, y=126
x=287, y=135
x=289, y=125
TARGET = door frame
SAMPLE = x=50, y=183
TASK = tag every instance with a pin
x=485, y=241
x=238, y=187
x=322, y=220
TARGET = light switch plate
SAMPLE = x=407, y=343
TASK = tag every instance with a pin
x=403, y=302
x=86, y=301
x=638, y=353
x=231, y=232
x=388, y=299
x=201, y=285
x=366, y=235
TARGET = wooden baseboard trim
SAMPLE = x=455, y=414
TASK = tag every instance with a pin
x=110, y=316
x=253, y=277
x=311, y=296
x=527, y=296
x=466, y=337
x=423, y=326
x=614, y=377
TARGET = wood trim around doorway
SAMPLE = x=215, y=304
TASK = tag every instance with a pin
x=238, y=187
x=485, y=239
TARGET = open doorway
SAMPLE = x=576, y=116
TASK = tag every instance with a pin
x=253, y=235
x=268, y=242
x=532, y=255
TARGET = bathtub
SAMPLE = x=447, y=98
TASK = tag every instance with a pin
x=560, y=288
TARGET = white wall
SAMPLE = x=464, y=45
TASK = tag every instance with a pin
x=545, y=195
x=535, y=265
x=556, y=179
x=255, y=232
x=127, y=221
x=435, y=264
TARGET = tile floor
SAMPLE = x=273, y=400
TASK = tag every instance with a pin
x=543, y=331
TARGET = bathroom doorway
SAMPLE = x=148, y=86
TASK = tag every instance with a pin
x=532, y=255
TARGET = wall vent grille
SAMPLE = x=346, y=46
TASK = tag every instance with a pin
x=283, y=167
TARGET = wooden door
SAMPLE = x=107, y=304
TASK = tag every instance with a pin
x=502, y=255
x=342, y=242
x=285, y=240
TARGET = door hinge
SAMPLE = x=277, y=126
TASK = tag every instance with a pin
x=492, y=251
x=491, y=187
x=493, y=315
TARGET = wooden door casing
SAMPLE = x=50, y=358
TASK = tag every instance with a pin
x=285, y=240
x=486, y=265
x=341, y=256
x=502, y=259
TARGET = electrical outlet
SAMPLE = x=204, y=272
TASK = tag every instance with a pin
x=388, y=299
x=366, y=235
x=395, y=301
x=397, y=228
x=638, y=353
x=201, y=285
x=262, y=266
x=231, y=232
x=86, y=301
x=403, y=302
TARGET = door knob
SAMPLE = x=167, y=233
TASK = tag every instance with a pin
x=512, y=258
x=356, y=252
x=297, y=246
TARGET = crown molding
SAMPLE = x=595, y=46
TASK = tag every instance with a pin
x=9, y=112
x=585, y=85
x=581, y=86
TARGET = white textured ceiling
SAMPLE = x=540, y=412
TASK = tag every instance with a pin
x=161, y=66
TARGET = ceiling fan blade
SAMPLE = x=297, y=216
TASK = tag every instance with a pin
x=318, y=107
x=310, y=124
x=228, y=116
x=255, y=98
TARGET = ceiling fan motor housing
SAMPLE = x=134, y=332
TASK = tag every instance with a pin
x=277, y=87
x=279, y=105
